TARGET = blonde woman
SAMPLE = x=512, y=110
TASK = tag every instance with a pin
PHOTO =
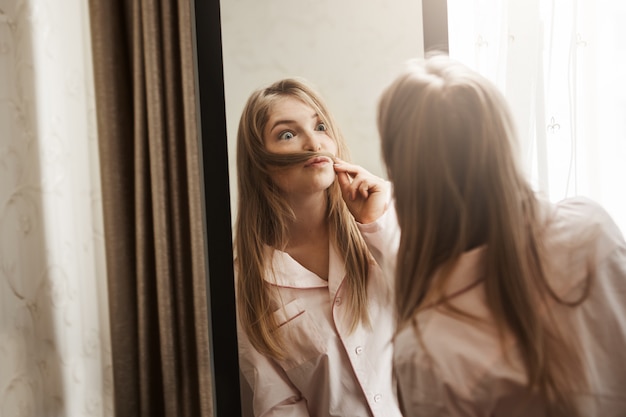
x=315, y=312
x=507, y=305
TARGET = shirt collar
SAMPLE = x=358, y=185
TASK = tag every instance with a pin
x=469, y=269
x=287, y=272
x=466, y=272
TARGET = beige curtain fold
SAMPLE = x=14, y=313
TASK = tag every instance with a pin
x=153, y=217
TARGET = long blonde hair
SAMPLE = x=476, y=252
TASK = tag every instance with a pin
x=263, y=215
x=449, y=145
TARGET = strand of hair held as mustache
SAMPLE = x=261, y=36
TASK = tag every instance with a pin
x=289, y=159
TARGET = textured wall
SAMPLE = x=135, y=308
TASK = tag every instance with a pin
x=54, y=343
x=349, y=49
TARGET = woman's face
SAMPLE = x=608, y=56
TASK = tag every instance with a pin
x=294, y=126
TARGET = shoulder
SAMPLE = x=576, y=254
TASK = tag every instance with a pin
x=584, y=211
x=581, y=207
x=583, y=222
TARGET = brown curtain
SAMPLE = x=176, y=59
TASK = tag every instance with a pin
x=152, y=191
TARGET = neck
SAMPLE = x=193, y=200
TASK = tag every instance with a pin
x=311, y=219
x=308, y=235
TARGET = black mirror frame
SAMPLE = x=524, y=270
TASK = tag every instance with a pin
x=214, y=146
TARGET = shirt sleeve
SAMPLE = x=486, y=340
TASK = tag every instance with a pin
x=383, y=238
x=273, y=394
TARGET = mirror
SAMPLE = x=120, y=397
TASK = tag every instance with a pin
x=348, y=50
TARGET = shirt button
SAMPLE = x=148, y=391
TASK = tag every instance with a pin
x=358, y=350
x=338, y=301
x=377, y=398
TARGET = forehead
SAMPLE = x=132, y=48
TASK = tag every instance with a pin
x=289, y=108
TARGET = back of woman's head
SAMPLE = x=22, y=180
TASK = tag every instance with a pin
x=449, y=145
x=448, y=142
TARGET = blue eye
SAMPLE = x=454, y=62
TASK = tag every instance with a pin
x=321, y=127
x=286, y=135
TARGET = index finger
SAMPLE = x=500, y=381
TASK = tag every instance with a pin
x=343, y=166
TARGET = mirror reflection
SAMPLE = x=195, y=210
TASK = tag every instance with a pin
x=344, y=53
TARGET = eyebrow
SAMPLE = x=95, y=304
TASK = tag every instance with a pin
x=289, y=121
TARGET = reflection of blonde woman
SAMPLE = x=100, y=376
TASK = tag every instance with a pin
x=315, y=312
x=508, y=305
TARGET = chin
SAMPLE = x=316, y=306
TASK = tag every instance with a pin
x=322, y=185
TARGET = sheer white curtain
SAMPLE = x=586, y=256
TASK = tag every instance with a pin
x=54, y=337
x=562, y=66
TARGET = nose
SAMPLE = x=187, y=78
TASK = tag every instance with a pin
x=312, y=142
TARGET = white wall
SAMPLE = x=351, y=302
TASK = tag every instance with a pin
x=349, y=50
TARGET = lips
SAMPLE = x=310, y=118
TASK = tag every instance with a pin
x=318, y=160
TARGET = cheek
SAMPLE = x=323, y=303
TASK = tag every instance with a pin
x=331, y=146
x=281, y=178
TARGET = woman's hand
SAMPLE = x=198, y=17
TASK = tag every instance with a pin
x=365, y=194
